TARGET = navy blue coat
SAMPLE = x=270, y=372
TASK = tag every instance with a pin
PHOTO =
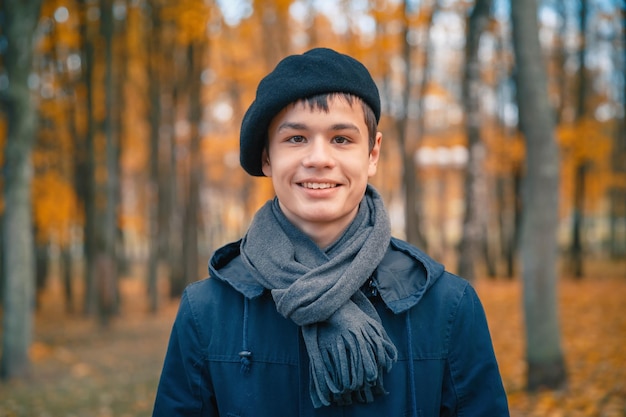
x=231, y=354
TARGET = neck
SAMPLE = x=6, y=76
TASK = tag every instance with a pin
x=323, y=233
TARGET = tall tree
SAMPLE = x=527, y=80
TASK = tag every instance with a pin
x=580, y=171
x=474, y=174
x=196, y=54
x=177, y=280
x=156, y=221
x=107, y=199
x=85, y=165
x=169, y=206
x=618, y=194
x=409, y=142
x=546, y=366
x=508, y=187
x=18, y=26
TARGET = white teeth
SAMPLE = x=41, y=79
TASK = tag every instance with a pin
x=317, y=185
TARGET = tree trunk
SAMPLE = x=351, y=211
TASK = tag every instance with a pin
x=618, y=162
x=106, y=260
x=512, y=242
x=618, y=194
x=474, y=172
x=490, y=259
x=42, y=266
x=167, y=180
x=412, y=211
x=508, y=188
x=190, y=244
x=85, y=166
x=155, y=206
x=576, y=249
x=561, y=59
x=121, y=73
x=546, y=367
x=68, y=290
x=178, y=73
x=20, y=21
x=2, y=268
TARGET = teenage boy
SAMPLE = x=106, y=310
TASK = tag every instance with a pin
x=317, y=310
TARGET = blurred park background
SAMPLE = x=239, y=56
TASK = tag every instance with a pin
x=504, y=157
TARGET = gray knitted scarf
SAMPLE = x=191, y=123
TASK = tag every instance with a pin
x=319, y=290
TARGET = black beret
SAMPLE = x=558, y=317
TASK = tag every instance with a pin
x=296, y=77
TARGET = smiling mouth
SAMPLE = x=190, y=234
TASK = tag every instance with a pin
x=317, y=185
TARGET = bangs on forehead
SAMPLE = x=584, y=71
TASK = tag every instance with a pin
x=320, y=101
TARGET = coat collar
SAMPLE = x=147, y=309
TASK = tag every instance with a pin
x=402, y=277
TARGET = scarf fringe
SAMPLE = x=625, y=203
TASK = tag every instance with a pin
x=348, y=367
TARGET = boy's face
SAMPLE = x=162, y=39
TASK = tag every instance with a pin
x=320, y=163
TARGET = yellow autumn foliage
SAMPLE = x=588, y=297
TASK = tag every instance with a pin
x=55, y=208
x=191, y=17
x=586, y=143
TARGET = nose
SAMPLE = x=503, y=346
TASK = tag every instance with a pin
x=320, y=154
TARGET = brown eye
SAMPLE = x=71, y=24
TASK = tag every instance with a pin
x=297, y=139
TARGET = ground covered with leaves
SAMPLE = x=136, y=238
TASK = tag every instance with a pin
x=593, y=334
x=83, y=370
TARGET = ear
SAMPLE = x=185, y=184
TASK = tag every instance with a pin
x=375, y=155
x=266, y=167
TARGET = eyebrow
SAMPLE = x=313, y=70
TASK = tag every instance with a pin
x=303, y=126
